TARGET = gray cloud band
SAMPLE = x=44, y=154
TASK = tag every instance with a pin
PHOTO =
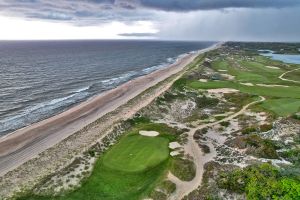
x=99, y=11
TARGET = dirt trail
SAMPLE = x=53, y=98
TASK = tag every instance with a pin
x=285, y=79
x=183, y=188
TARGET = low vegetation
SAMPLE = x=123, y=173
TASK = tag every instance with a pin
x=260, y=182
x=184, y=169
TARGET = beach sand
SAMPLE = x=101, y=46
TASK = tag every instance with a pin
x=28, y=143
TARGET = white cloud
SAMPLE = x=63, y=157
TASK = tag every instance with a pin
x=21, y=29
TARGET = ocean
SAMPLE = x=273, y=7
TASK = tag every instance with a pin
x=39, y=79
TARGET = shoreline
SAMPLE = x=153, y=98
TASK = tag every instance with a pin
x=25, y=144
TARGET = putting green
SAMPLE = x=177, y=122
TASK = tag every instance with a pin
x=136, y=153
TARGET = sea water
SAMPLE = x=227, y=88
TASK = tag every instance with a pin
x=39, y=79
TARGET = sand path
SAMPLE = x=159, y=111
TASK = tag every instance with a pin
x=285, y=79
x=26, y=143
x=183, y=188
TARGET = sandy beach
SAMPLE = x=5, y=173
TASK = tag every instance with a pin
x=26, y=143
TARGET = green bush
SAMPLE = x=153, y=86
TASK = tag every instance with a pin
x=226, y=123
x=206, y=102
x=248, y=130
x=183, y=169
x=265, y=127
x=260, y=182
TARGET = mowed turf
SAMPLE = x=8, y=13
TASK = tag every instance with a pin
x=137, y=153
x=129, y=170
x=282, y=107
x=282, y=101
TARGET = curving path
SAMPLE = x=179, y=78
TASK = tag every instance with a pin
x=285, y=79
x=183, y=188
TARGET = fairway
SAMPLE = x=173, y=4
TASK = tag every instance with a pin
x=282, y=107
x=282, y=100
x=137, y=153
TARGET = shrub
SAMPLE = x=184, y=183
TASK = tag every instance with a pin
x=260, y=182
x=226, y=123
x=183, y=169
x=265, y=127
x=249, y=130
x=206, y=102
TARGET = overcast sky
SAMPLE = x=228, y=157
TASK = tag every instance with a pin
x=217, y=20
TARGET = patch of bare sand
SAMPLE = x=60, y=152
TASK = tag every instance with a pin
x=247, y=84
x=174, y=153
x=222, y=90
x=149, y=133
x=203, y=80
x=174, y=145
x=272, y=67
x=265, y=85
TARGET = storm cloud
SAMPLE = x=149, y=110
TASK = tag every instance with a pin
x=268, y=20
x=188, y=5
x=122, y=10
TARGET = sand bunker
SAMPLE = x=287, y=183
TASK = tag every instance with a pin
x=203, y=80
x=247, y=84
x=264, y=85
x=174, y=145
x=222, y=90
x=174, y=153
x=149, y=133
x=272, y=67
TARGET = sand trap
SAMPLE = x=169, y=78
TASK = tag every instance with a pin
x=174, y=145
x=222, y=70
x=247, y=84
x=228, y=76
x=272, y=67
x=174, y=153
x=203, y=80
x=149, y=133
x=264, y=85
x=222, y=90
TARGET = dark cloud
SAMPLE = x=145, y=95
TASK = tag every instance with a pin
x=250, y=20
x=138, y=34
x=99, y=11
x=189, y=5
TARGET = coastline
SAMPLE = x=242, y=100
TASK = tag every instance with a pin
x=27, y=143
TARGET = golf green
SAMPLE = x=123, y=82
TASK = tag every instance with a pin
x=136, y=153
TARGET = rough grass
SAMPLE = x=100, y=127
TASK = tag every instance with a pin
x=183, y=169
